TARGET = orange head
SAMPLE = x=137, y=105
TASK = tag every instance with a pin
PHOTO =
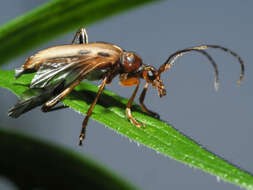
x=152, y=76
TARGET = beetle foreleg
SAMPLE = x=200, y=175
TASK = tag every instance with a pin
x=89, y=112
x=128, y=109
x=143, y=107
x=81, y=37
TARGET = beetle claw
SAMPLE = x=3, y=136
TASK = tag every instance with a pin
x=137, y=124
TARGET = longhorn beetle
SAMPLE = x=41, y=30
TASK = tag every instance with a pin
x=61, y=68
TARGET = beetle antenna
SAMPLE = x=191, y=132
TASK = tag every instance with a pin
x=177, y=54
x=172, y=58
x=231, y=53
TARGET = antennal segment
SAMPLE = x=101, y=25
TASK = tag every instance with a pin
x=202, y=47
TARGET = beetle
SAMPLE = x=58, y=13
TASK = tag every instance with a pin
x=60, y=69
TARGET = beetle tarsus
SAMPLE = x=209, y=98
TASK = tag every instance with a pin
x=155, y=115
x=81, y=138
x=45, y=108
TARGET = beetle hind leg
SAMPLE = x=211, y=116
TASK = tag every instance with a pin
x=48, y=106
x=52, y=108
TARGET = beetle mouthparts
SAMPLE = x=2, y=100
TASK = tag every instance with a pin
x=160, y=87
x=161, y=92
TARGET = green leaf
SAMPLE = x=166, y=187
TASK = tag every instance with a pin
x=157, y=135
x=33, y=164
x=54, y=18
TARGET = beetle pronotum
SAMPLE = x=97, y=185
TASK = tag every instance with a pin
x=61, y=68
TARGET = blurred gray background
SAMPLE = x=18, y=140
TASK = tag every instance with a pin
x=220, y=121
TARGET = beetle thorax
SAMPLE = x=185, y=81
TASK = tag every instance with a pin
x=130, y=62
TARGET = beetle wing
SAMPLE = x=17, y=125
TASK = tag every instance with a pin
x=67, y=69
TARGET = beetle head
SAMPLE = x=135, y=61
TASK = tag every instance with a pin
x=152, y=76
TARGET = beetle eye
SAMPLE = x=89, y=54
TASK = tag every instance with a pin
x=151, y=75
x=130, y=59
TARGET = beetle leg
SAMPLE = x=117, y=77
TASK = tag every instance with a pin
x=81, y=37
x=143, y=107
x=49, y=104
x=89, y=112
x=128, y=108
x=49, y=109
x=125, y=80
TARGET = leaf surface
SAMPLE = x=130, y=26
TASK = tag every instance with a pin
x=158, y=135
